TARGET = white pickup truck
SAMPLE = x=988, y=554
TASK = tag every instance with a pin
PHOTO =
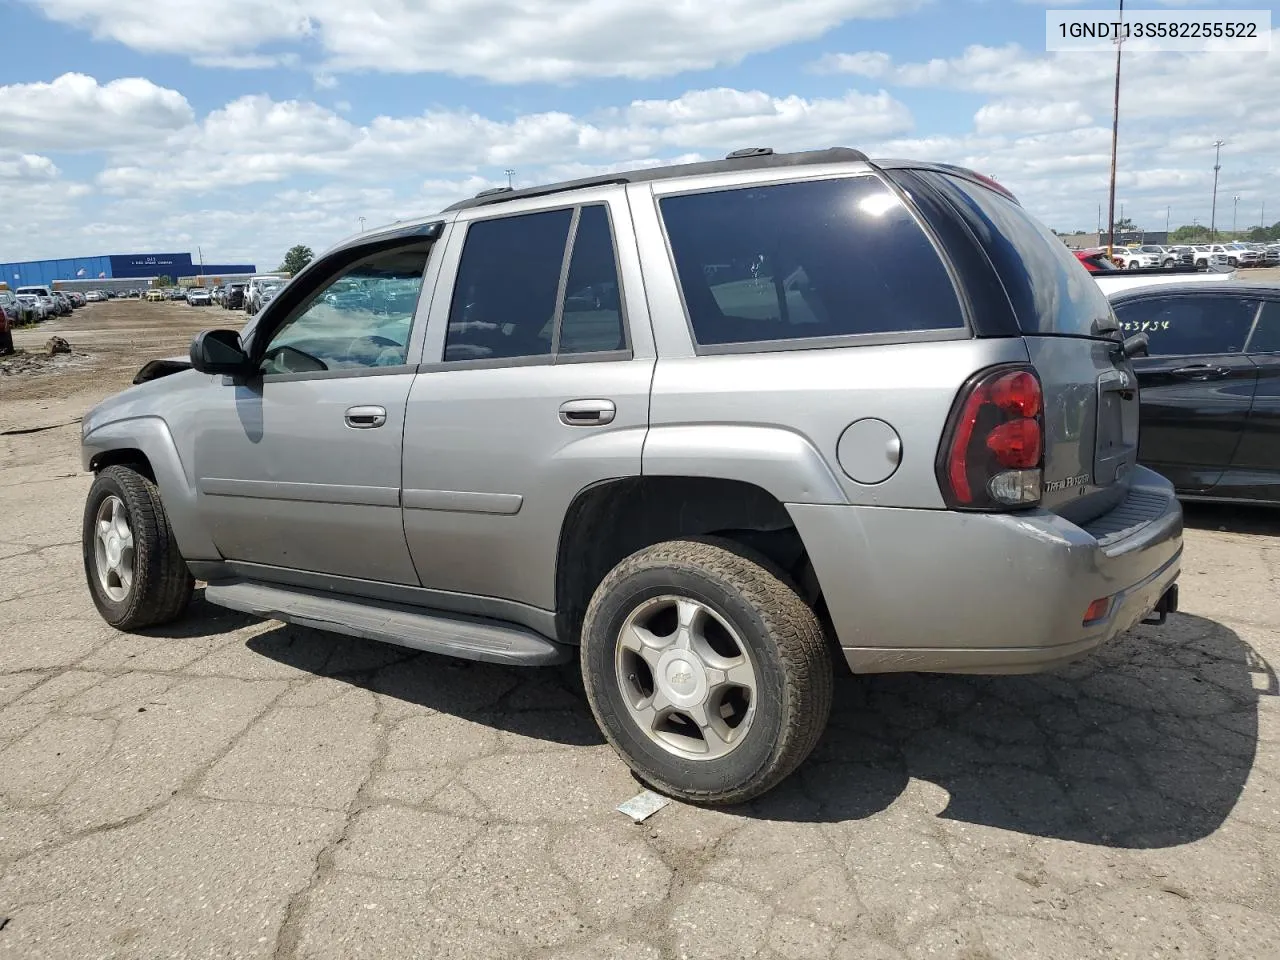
x=1138, y=258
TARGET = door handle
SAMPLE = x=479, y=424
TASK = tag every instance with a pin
x=1199, y=371
x=587, y=413
x=366, y=418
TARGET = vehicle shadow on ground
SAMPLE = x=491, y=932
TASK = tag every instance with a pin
x=1233, y=518
x=545, y=703
x=1146, y=744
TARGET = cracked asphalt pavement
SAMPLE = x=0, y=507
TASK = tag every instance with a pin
x=227, y=787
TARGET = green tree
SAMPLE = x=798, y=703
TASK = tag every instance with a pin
x=1125, y=224
x=297, y=258
x=162, y=281
x=1189, y=233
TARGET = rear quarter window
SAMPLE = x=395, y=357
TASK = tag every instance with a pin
x=804, y=261
x=1051, y=293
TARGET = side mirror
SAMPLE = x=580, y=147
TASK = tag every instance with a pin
x=219, y=351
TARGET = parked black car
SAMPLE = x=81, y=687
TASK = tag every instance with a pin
x=1210, y=389
x=233, y=297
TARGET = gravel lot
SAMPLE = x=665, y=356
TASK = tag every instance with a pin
x=226, y=787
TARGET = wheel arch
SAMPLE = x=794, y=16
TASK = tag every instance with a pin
x=146, y=444
x=611, y=520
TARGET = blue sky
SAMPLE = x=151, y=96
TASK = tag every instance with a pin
x=244, y=127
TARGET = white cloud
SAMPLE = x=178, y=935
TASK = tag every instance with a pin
x=76, y=112
x=1012, y=116
x=256, y=139
x=508, y=41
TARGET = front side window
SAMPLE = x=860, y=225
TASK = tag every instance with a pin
x=828, y=258
x=361, y=319
x=1189, y=326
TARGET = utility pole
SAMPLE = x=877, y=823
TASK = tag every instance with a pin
x=1235, y=208
x=1115, y=140
x=1168, y=212
x=1262, y=217
x=1213, y=213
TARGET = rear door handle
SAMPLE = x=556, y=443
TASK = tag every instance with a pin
x=366, y=418
x=1199, y=371
x=587, y=413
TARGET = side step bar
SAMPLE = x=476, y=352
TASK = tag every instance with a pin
x=455, y=635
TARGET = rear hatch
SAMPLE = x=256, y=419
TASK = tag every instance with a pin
x=1072, y=340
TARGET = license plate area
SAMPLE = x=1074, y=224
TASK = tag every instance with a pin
x=1116, y=449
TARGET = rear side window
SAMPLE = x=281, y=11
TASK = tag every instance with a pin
x=797, y=261
x=1049, y=291
x=508, y=302
x=1187, y=326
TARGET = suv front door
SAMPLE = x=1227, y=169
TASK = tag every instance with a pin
x=298, y=467
x=1197, y=385
x=538, y=387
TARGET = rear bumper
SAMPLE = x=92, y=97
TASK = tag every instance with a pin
x=949, y=592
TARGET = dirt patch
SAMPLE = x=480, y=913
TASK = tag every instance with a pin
x=29, y=363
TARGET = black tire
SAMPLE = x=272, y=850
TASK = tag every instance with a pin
x=786, y=644
x=162, y=583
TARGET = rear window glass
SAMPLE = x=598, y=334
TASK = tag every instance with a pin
x=829, y=258
x=1049, y=290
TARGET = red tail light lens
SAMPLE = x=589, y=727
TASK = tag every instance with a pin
x=992, y=452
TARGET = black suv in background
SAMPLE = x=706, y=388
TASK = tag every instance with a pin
x=233, y=297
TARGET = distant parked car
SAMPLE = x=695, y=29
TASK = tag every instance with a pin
x=198, y=297
x=1242, y=255
x=94, y=296
x=233, y=299
x=23, y=309
x=36, y=304
x=155, y=296
x=1133, y=258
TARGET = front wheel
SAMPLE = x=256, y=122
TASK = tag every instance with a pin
x=1134, y=264
x=707, y=673
x=136, y=574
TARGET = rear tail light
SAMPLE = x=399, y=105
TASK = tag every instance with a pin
x=992, y=454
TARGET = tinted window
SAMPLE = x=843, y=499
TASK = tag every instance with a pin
x=1266, y=336
x=592, y=317
x=361, y=318
x=504, y=302
x=1183, y=326
x=1048, y=290
x=802, y=260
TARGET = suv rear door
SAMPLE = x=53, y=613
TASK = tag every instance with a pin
x=535, y=386
x=1197, y=384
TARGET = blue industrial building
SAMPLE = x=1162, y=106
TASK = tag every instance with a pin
x=129, y=266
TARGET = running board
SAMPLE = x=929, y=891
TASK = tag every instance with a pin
x=455, y=635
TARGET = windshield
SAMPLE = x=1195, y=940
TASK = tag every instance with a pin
x=1151, y=250
x=197, y=290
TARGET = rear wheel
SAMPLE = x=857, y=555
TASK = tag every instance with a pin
x=1133, y=264
x=707, y=673
x=136, y=575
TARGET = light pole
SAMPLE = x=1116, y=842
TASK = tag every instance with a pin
x=1235, y=208
x=1213, y=213
x=1168, y=212
x=361, y=219
x=510, y=174
x=1115, y=139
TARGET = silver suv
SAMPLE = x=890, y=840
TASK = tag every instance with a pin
x=673, y=423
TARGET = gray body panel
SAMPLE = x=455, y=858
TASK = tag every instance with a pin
x=455, y=503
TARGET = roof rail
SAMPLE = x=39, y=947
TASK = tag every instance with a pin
x=748, y=158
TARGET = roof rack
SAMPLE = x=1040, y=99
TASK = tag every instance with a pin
x=748, y=158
